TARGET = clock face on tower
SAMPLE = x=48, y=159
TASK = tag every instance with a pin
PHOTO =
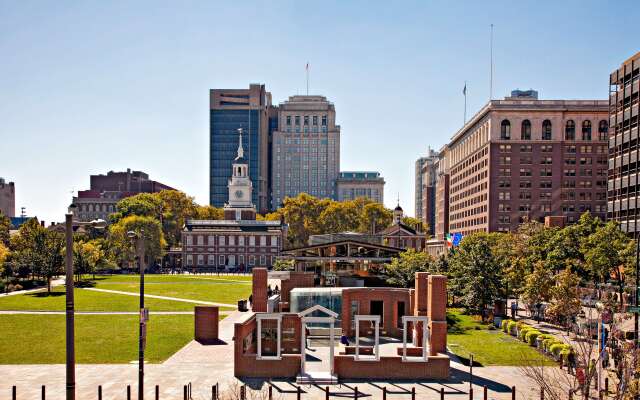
x=239, y=194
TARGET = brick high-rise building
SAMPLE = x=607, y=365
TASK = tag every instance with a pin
x=623, y=185
x=106, y=190
x=306, y=149
x=251, y=110
x=7, y=198
x=522, y=158
x=425, y=189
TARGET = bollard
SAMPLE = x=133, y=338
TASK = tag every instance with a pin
x=471, y=394
x=184, y=392
x=441, y=393
x=99, y=392
x=128, y=392
x=355, y=394
x=570, y=395
x=413, y=393
x=217, y=391
x=299, y=392
x=213, y=392
x=513, y=393
x=243, y=392
x=471, y=373
x=43, y=394
x=270, y=392
x=157, y=392
x=326, y=393
x=485, y=392
x=14, y=395
x=606, y=385
x=384, y=393
x=541, y=393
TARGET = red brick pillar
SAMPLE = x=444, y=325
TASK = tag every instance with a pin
x=421, y=302
x=259, y=293
x=438, y=314
x=206, y=324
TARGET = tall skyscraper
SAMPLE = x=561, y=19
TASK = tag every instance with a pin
x=306, y=149
x=523, y=159
x=251, y=110
x=623, y=185
x=425, y=175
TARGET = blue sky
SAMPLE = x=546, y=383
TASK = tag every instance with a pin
x=88, y=87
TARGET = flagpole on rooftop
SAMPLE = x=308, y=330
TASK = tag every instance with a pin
x=307, y=68
x=491, y=64
x=464, y=92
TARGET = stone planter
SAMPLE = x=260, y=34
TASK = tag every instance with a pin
x=539, y=343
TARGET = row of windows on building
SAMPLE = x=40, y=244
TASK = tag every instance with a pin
x=89, y=207
x=546, y=196
x=546, y=208
x=566, y=184
x=571, y=149
x=306, y=119
x=528, y=160
x=353, y=193
x=467, y=223
x=230, y=240
x=469, y=161
x=228, y=260
x=547, y=172
x=569, y=130
x=306, y=129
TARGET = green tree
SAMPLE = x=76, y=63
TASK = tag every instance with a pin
x=209, y=212
x=339, y=217
x=565, y=300
x=142, y=204
x=284, y=265
x=401, y=271
x=537, y=288
x=176, y=208
x=476, y=272
x=123, y=250
x=5, y=226
x=375, y=218
x=415, y=223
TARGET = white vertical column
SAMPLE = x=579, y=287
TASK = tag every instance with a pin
x=377, y=348
x=279, y=336
x=331, y=341
x=303, y=347
x=259, y=337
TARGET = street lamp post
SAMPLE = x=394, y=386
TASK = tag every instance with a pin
x=138, y=239
x=69, y=309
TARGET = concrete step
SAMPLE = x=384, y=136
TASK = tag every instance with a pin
x=317, y=378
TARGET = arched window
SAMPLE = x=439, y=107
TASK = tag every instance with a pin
x=603, y=130
x=546, y=130
x=570, y=130
x=586, y=130
x=505, y=130
x=525, y=133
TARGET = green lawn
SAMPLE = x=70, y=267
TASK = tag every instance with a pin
x=87, y=300
x=40, y=339
x=223, y=289
x=489, y=347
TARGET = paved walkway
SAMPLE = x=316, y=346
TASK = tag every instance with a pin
x=153, y=296
x=57, y=312
x=54, y=282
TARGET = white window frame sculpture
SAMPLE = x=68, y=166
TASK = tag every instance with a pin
x=425, y=337
x=304, y=320
x=259, y=319
x=376, y=350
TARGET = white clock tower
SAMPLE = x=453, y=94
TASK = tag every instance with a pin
x=240, y=188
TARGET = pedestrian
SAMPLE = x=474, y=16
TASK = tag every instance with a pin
x=571, y=362
x=514, y=310
x=307, y=334
x=251, y=300
x=344, y=340
x=269, y=291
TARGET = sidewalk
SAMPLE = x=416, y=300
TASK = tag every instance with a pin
x=54, y=283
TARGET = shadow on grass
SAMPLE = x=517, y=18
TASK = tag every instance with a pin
x=46, y=294
x=466, y=361
x=454, y=324
x=85, y=284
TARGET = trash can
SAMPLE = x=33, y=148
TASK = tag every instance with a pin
x=242, y=305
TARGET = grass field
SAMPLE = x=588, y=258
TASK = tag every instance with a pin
x=40, y=339
x=223, y=289
x=489, y=347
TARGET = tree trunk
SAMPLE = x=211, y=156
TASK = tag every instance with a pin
x=48, y=285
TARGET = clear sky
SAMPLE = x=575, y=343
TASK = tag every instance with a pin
x=88, y=87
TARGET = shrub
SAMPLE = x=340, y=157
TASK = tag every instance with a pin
x=523, y=331
x=505, y=325
x=564, y=353
x=546, y=344
x=531, y=336
x=557, y=348
x=511, y=326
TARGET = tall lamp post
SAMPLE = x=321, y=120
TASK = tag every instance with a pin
x=138, y=239
x=70, y=306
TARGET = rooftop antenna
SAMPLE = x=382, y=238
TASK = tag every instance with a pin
x=464, y=93
x=491, y=64
x=23, y=212
x=307, y=69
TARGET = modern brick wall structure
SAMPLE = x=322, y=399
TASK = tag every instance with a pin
x=206, y=324
x=259, y=293
x=296, y=280
x=396, y=302
x=428, y=299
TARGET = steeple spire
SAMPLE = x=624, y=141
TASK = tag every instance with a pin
x=240, y=149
